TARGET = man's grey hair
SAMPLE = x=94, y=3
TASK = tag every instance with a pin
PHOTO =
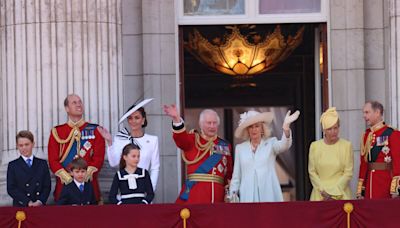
x=207, y=111
x=376, y=105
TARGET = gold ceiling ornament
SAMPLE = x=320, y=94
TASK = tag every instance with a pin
x=237, y=56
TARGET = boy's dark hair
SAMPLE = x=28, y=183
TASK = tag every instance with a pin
x=78, y=163
x=24, y=134
x=125, y=151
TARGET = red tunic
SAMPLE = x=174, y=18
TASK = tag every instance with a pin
x=93, y=152
x=202, y=192
x=377, y=183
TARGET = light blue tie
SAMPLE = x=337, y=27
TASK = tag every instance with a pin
x=29, y=162
x=81, y=187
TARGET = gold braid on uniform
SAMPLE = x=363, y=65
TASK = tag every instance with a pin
x=367, y=147
x=362, y=145
x=74, y=135
x=206, y=147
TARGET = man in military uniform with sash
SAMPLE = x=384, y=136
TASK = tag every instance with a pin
x=207, y=157
x=380, y=156
x=72, y=139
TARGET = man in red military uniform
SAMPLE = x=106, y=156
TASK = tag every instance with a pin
x=72, y=139
x=207, y=157
x=380, y=156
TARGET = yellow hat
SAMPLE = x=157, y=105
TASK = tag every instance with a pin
x=329, y=118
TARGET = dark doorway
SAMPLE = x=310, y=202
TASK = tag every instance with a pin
x=291, y=84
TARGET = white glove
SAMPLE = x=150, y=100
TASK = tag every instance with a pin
x=290, y=119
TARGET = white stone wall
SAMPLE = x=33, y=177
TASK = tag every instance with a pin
x=392, y=39
x=149, y=70
x=348, y=49
x=364, y=47
x=376, y=71
x=48, y=50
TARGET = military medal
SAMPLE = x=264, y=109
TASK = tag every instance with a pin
x=83, y=135
x=386, y=150
x=382, y=140
x=224, y=160
x=220, y=168
x=82, y=153
x=87, y=145
x=92, y=135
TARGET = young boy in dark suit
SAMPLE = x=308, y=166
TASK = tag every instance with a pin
x=78, y=192
x=28, y=177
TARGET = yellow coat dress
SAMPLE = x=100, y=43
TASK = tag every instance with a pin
x=330, y=168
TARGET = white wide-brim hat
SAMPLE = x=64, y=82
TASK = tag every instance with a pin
x=134, y=109
x=249, y=118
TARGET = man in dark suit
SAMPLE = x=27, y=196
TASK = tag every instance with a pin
x=78, y=192
x=28, y=177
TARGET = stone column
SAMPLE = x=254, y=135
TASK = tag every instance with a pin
x=148, y=35
x=393, y=28
x=347, y=71
x=159, y=80
x=48, y=49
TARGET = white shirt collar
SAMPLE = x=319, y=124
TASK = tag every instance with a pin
x=26, y=158
x=79, y=183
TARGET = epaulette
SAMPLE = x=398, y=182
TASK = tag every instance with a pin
x=61, y=125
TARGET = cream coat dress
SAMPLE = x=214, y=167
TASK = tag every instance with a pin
x=254, y=176
x=331, y=169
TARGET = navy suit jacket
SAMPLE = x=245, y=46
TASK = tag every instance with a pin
x=71, y=195
x=26, y=183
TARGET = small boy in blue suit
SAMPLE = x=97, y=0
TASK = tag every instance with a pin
x=28, y=177
x=78, y=192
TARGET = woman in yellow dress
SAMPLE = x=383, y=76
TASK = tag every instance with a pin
x=330, y=163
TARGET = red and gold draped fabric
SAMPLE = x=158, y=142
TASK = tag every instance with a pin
x=289, y=214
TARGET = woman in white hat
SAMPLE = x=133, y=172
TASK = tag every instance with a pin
x=330, y=162
x=254, y=178
x=149, y=154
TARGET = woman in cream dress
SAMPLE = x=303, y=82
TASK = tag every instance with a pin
x=254, y=177
x=330, y=162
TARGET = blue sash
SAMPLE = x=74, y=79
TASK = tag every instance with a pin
x=86, y=134
x=204, y=168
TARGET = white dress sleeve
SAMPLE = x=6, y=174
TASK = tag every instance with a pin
x=282, y=145
x=115, y=150
x=155, y=164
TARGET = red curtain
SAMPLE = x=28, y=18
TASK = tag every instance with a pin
x=366, y=213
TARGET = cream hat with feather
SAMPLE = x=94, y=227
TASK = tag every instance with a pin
x=251, y=117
